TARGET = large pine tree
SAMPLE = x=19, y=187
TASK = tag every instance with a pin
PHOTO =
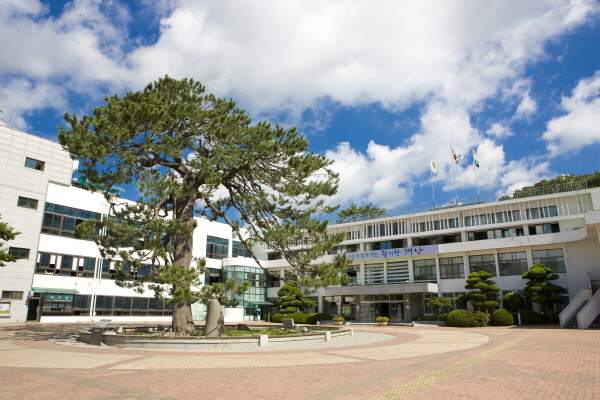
x=191, y=153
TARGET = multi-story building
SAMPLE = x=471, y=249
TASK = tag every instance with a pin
x=401, y=260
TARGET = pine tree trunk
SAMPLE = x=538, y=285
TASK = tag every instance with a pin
x=183, y=323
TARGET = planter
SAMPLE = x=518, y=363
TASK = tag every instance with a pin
x=338, y=322
x=382, y=323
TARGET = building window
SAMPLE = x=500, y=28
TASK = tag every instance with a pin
x=542, y=212
x=482, y=219
x=424, y=270
x=27, y=203
x=216, y=247
x=485, y=262
x=374, y=274
x=494, y=234
x=426, y=299
x=452, y=267
x=66, y=265
x=391, y=244
x=397, y=271
x=239, y=250
x=552, y=258
x=11, y=295
x=61, y=221
x=19, y=253
x=440, y=239
x=452, y=296
x=543, y=228
x=512, y=263
x=274, y=255
x=35, y=164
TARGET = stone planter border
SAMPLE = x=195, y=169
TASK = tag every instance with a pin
x=125, y=340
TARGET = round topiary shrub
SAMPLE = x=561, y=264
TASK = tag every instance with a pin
x=313, y=318
x=277, y=318
x=501, y=318
x=298, y=317
x=290, y=310
x=461, y=319
x=529, y=317
x=482, y=318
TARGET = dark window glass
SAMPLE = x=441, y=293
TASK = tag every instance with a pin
x=27, y=203
x=19, y=252
x=35, y=164
x=484, y=262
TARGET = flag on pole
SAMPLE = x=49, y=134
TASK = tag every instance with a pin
x=475, y=158
x=433, y=167
x=457, y=157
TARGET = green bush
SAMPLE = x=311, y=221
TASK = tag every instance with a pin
x=501, y=318
x=290, y=310
x=277, y=318
x=440, y=317
x=551, y=318
x=482, y=318
x=529, y=317
x=461, y=318
x=313, y=318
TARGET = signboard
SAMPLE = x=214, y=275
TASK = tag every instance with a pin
x=56, y=297
x=4, y=308
x=389, y=253
x=346, y=310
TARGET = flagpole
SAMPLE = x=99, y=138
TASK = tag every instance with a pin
x=476, y=185
x=431, y=179
x=454, y=175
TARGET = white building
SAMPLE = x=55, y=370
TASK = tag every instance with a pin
x=400, y=261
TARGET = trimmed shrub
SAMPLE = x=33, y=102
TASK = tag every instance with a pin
x=529, y=317
x=551, y=318
x=277, y=318
x=461, y=318
x=313, y=318
x=482, y=318
x=440, y=317
x=290, y=310
x=501, y=317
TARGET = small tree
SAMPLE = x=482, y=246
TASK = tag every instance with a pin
x=6, y=233
x=487, y=296
x=539, y=287
x=513, y=302
x=442, y=304
x=290, y=296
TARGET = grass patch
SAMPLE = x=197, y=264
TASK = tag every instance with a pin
x=270, y=332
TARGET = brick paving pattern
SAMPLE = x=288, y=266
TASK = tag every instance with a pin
x=419, y=363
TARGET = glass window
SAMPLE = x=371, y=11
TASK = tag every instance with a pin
x=239, y=250
x=35, y=164
x=452, y=267
x=512, y=263
x=552, y=259
x=19, y=252
x=216, y=247
x=11, y=295
x=27, y=203
x=424, y=270
x=60, y=220
x=485, y=262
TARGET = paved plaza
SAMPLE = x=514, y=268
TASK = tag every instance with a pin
x=421, y=362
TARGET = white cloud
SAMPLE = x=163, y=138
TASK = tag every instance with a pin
x=500, y=131
x=279, y=58
x=581, y=125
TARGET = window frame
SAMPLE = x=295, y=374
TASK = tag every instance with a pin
x=26, y=202
x=37, y=164
x=19, y=252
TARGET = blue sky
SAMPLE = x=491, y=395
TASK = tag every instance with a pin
x=379, y=87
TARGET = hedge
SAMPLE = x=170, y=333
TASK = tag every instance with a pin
x=482, y=318
x=301, y=318
x=529, y=317
x=502, y=317
x=461, y=318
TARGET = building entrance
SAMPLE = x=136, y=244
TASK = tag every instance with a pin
x=391, y=306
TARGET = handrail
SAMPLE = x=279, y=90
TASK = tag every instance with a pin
x=589, y=312
x=570, y=310
x=467, y=201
